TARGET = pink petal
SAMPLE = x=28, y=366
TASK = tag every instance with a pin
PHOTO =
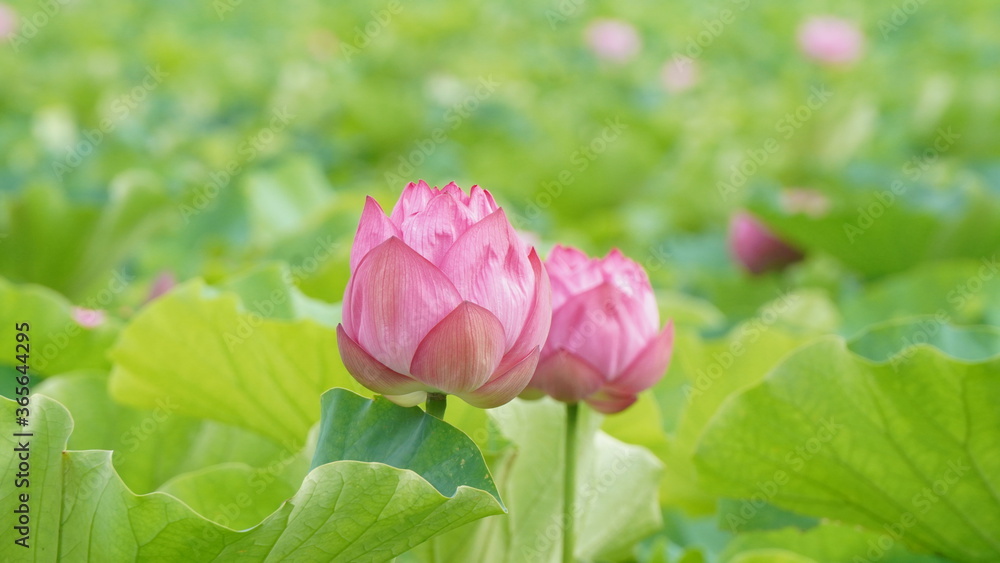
x=566, y=377
x=461, y=352
x=373, y=229
x=603, y=326
x=631, y=279
x=571, y=272
x=536, y=326
x=503, y=388
x=490, y=267
x=434, y=230
x=456, y=192
x=346, y=316
x=649, y=366
x=369, y=372
x=610, y=402
x=412, y=201
x=393, y=300
x=568, y=258
x=481, y=203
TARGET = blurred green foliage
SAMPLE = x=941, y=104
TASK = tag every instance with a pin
x=235, y=142
x=211, y=104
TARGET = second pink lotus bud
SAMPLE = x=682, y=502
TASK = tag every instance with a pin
x=605, y=345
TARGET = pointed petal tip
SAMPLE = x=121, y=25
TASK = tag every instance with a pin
x=503, y=388
x=649, y=366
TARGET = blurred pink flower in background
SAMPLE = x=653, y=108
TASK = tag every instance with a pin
x=756, y=248
x=679, y=74
x=613, y=40
x=8, y=22
x=444, y=297
x=807, y=201
x=88, y=318
x=605, y=345
x=831, y=40
x=163, y=283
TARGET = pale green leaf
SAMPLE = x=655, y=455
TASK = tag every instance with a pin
x=57, y=342
x=344, y=511
x=216, y=357
x=908, y=446
x=616, y=507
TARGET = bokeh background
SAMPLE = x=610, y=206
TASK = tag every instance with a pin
x=158, y=142
x=312, y=106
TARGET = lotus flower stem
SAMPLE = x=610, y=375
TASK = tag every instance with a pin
x=436, y=403
x=569, y=484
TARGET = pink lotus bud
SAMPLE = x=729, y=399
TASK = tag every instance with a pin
x=8, y=22
x=605, y=345
x=613, y=40
x=756, y=247
x=443, y=297
x=88, y=318
x=679, y=74
x=831, y=40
